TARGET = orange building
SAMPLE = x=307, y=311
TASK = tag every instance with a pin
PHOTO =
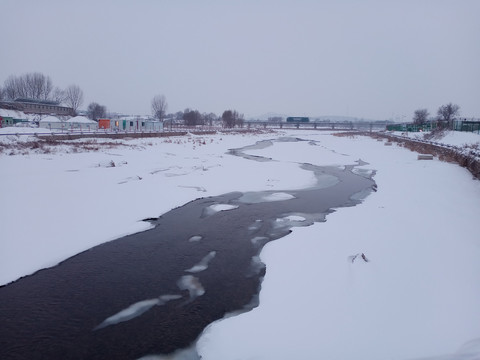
x=104, y=123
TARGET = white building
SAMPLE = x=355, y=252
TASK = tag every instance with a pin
x=81, y=123
x=52, y=123
x=138, y=124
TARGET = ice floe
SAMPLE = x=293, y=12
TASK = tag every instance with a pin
x=222, y=207
x=135, y=310
x=278, y=196
x=192, y=284
x=195, y=238
x=213, y=209
x=258, y=240
x=203, y=264
x=259, y=197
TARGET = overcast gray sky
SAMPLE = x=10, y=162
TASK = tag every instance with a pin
x=375, y=59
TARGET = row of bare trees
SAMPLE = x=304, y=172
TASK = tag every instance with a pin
x=37, y=86
x=33, y=86
x=445, y=113
x=230, y=118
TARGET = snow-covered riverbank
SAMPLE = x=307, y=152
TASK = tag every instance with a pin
x=416, y=297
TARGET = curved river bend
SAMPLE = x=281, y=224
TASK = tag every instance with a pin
x=154, y=292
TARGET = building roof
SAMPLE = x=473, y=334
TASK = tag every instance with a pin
x=13, y=114
x=50, y=119
x=37, y=101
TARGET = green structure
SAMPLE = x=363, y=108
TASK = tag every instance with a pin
x=464, y=125
x=6, y=121
x=457, y=125
x=411, y=127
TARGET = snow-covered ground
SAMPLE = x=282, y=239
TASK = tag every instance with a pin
x=455, y=138
x=417, y=296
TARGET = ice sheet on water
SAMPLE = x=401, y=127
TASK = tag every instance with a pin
x=326, y=181
x=259, y=197
x=203, y=264
x=293, y=218
x=362, y=194
x=223, y=207
x=279, y=196
x=290, y=220
x=367, y=173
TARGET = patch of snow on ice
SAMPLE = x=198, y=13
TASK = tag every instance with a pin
x=256, y=266
x=195, y=238
x=136, y=310
x=279, y=196
x=256, y=225
x=294, y=218
x=221, y=207
x=258, y=239
x=131, y=312
x=192, y=284
x=203, y=264
x=259, y=197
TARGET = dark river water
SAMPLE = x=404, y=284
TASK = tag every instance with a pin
x=154, y=292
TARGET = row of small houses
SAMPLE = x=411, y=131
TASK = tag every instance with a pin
x=85, y=124
x=131, y=124
x=17, y=118
x=80, y=123
x=50, y=115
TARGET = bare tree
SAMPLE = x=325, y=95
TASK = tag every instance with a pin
x=32, y=86
x=2, y=93
x=73, y=97
x=159, y=107
x=14, y=87
x=420, y=116
x=228, y=118
x=39, y=86
x=209, y=118
x=232, y=118
x=447, y=113
x=96, y=111
x=192, y=117
x=179, y=115
x=58, y=95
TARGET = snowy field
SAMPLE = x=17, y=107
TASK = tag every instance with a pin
x=417, y=297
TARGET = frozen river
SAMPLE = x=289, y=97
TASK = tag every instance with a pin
x=154, y=292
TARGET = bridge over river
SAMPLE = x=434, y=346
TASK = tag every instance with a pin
x=319, y=125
